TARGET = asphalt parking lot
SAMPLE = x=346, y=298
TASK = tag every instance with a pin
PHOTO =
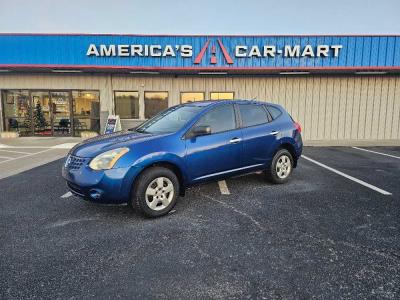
x=332, y=232
x=25, y=153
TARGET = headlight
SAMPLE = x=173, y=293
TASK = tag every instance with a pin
x=107, y=160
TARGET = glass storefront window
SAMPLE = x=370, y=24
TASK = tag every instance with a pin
x=86, y=111
x=191, y=96
x=17, y=111
x=51, y=112
x=154, y=102
x=221, y=95
x=127, y=104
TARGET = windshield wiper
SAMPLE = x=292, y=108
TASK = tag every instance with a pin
x=141, y=130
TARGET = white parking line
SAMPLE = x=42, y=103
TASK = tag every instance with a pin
x=380, y=153
x=66, y=195
x=5, y=157
x=59, y=146
x=372, y=187
x=64, y=146
x=12, y=151
x=223, y=187
x=23, y=156
x=2, y=146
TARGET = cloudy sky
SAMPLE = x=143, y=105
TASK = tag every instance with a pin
x=201, y=17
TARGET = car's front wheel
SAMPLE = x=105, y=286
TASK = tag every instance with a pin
x=155, y=192
x=281, y=167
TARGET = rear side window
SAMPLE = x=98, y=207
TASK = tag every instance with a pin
x=219, y=119
x=275, y=112
x=252, y=114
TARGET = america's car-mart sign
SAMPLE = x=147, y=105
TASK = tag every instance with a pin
x=181, y=52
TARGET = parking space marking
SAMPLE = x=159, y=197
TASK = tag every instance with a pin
x=372, y=187
x=2, y=146
x=244, y=214
x=59, y=146
x=64, y=146
x=66, y=195
x=223, y=187
x=13, y=151
x=380, y=153
x=24, y=156
x=5, y=157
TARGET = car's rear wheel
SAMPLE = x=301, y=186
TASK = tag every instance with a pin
x=281, y=167
x=155, y=192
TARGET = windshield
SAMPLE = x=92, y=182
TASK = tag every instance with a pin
x=170, y=120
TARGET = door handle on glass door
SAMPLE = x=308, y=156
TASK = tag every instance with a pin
x=235, y=140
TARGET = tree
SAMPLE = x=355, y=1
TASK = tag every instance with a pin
x=28, y=120
x=38, y=117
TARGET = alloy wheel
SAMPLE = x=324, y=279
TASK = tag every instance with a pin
x=159, y=193
x=283, y=166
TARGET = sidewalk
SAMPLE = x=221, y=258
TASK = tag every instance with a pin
x=21, y=154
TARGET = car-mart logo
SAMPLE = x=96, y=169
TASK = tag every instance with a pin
x=213, y=58
x=212, y=47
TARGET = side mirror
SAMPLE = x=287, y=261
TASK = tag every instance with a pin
x=201, y=130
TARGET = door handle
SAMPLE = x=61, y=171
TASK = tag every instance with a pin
x=235, y=140
x=274, y=132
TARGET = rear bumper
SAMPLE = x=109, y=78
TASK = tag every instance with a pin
x=108, y=186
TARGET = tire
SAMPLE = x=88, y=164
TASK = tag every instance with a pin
x=281, y=167
x=151, y=195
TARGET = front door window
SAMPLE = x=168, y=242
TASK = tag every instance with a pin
x=86, y=111
x=41, y=116
x=60, y=113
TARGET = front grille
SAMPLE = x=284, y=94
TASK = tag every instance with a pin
x=75, y=162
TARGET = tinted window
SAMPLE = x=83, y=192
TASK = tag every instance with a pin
x=275, y=112
x=191, y=96
x=252, y=114
x=221, y=95
x=127, y=104
x=219, y=119
x=154, y=102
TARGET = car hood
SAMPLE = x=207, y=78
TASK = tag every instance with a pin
x=94, y=146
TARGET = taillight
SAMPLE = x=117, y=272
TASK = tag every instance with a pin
x=298, y=126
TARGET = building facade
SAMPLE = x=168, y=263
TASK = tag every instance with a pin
x=344, y=90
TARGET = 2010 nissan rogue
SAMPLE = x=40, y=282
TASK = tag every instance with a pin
x=151, y=165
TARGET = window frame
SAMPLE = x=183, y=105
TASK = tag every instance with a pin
x=220, y=92
x=199, y=92
x=115, y=103
x=144, y=102
x=269, y=119
x=272, y=118
x=187, y=135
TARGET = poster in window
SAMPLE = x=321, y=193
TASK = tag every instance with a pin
x=10, y=99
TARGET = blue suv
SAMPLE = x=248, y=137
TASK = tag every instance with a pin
x=151, y=165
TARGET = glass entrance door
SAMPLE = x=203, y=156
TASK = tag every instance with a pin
x=60, y=113
x=41, y=116
x=51, y=113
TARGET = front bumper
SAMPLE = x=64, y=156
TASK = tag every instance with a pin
x=106, y=186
